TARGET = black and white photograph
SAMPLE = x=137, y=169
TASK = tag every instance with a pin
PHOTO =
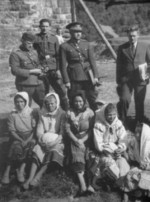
x=74, y=101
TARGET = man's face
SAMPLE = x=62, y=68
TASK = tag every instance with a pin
x=27, y=44
x=76, y=34
x=45, y=27
x=133, y=36
x=59, y=31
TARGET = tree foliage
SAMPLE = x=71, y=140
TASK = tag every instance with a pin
x=119, y=17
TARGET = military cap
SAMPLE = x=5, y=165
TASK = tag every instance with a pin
x=75, y=26
x=28, y=37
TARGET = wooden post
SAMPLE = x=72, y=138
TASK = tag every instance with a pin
x=73, y=11
x=98, y=28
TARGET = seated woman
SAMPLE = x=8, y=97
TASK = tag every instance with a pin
x=138, y=154
x=50, y=131
x=21, y=125
x=109, y=140
x=78, y=129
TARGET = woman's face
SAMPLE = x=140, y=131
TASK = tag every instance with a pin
x=51, y=104
x=78, y=102
x=20, y=103
x=110, y=116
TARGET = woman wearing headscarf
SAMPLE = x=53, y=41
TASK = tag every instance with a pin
x=78, y=129
x=110, y=143
x=50, y=147
x=138, y=154
x=21, y=126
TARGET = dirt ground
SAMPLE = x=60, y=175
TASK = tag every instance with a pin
x=107, y=92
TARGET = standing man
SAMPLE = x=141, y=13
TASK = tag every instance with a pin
x=78, y=63
x=131, y=56
x=25, y=66
x=47, y=47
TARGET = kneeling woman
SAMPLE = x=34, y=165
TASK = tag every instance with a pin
x=21, y=125
x=50, y=139
x=78, y=128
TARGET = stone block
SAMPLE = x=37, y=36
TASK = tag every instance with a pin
x=61, y=16
x=57, y=11
x=65, y=10
x=54, y=4
x=64, y=3
x=68, y=16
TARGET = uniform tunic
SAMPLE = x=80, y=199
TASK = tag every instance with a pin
x=47, y=47
x=72, y=69
x=74, y=63
x=21, y=62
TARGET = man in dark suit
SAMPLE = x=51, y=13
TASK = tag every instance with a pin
x=130, y=56
x=77, y=60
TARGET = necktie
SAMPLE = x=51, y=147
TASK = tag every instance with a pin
x=133, y=49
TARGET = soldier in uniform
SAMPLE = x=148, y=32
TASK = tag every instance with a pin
x=47, y=47
x=78, y=65
x=25, y=66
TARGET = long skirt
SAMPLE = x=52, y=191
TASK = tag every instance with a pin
x=54, y=154
x=19, y=153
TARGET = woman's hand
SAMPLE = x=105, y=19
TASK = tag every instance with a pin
x=24, y=143
x=118, y=152
x=80, y=143
x=143, y=166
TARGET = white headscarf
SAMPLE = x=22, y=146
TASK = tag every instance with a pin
x=145, y=144
x=44, y=109
x=27, y=110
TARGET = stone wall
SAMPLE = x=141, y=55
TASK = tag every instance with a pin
x=17, y=16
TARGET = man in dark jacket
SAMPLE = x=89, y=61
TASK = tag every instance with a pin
x=77, y=63
x=47, y=47
x=25, y=66
x=131, y=56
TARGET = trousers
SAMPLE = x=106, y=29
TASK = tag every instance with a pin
x=125, y=94
x=57, y=84
x=37, y=93
x=89, y=90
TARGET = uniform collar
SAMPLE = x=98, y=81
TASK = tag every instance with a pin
x=23, y=48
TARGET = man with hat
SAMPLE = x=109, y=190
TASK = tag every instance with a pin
x=25, y=66
x=131, y=55
x=47, y=47
x=78, y=65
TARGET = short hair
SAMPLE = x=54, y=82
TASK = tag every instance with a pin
x=44, y=20
x=133, y=28
x=110, y=108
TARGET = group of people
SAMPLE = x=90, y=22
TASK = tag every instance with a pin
x=94, y=145
x=43, y=60
x=73, y=128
